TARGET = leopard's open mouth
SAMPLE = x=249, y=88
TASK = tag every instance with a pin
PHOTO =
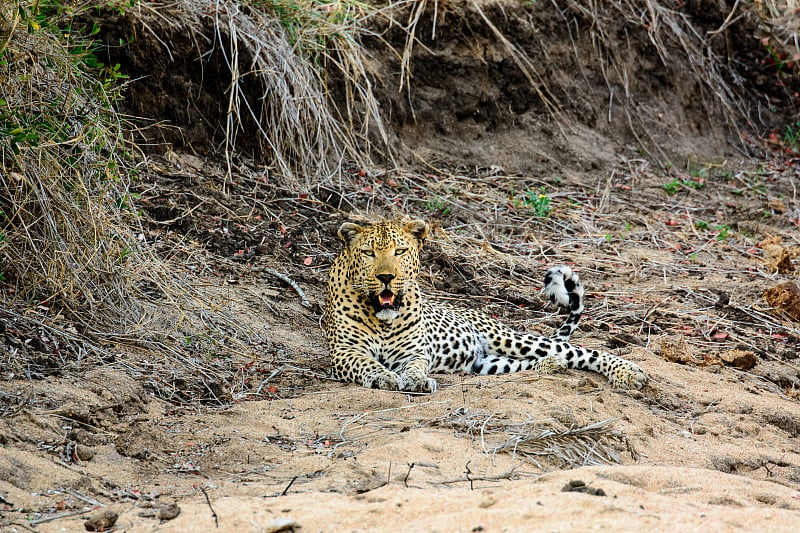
x=386, y=299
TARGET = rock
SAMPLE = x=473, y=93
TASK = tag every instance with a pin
x=168, y=512
x=281, y=524
x=577, y=485
x=100, y=522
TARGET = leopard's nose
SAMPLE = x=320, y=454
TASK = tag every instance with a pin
x=385, y=278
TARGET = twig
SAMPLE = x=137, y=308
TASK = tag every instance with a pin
x=87, y=499
x=497, y=477
x=208, y=501
x=59, y=516
x=289, y=486
x=289, y=281
x=20, y=523
x=405, y=479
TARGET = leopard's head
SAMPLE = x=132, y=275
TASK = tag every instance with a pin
x=383, y=262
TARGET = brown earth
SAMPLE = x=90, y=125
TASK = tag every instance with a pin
x=254, y=436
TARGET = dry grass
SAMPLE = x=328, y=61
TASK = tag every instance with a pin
x=545, y=443
x=80, y=283
x=539, y=441
x=68, y=229
x=782, y=24
x=313, y=106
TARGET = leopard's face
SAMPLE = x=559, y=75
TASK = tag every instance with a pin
x=382, y=262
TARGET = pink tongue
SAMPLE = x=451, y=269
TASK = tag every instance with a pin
x=386, y=299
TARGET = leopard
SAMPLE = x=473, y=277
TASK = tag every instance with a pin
x=382, y=333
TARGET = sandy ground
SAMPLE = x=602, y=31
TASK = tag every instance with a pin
x=709, y=448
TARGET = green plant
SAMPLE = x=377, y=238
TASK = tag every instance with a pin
x=63, y=166
x=723, y=230
x=622, y=235
x=780, y=60
x=678, y=184
x=699, y=173
x=537, y=202
x=438, y=205
x=792, y=136
x=124, y=202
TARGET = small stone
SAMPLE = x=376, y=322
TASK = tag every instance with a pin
x=100, y=522
x=168, y=512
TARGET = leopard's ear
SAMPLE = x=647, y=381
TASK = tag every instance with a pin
x=349, y=231
x=418, y=228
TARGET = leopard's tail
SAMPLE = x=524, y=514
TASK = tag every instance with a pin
x=563, y=287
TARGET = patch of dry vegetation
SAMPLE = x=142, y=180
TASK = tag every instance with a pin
x=291, y=49
x=78, y=280
x=68, y=241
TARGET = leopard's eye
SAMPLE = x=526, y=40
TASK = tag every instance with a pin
x=400, y=251
x=368, y=252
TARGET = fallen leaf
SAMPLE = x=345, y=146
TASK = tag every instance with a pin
x=777, y=205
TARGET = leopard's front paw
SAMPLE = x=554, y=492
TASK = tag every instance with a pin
x=628, y=376
x=413, y=383
x=383, y=381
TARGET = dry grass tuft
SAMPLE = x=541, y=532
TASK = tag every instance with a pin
x=782, y=27
x=542, y=441
x=77, y=281
x=67, y=226
x=299, y=80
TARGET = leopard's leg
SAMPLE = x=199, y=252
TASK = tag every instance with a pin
x=353, y=366
x=510, y=351
x=621, y=373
